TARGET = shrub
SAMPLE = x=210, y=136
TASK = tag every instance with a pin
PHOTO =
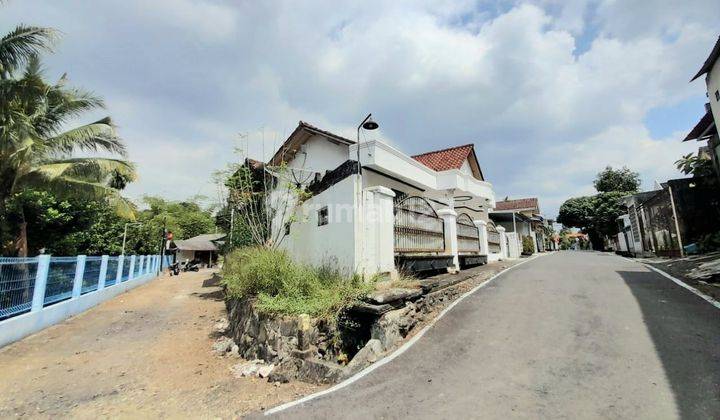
x=527, y=245
x=709, y=242
x=283, y=286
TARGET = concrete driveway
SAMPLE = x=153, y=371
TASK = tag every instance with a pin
x=570, y=335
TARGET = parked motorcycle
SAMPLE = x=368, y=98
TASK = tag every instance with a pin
x=174, y=269
x=193, y=265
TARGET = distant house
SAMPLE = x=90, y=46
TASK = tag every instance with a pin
x=706, y=128
x=523, y=217
x=202, y=247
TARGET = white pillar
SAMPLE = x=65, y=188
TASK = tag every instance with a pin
x=449, y=217
x=504, y=252
x=41, y=275
x=379, y=233
x=79, y=270
x=483, y=236
x=120, y=264
x=103, y=272
x=131, y=273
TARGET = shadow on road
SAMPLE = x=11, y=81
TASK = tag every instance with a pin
x=214, y=282
x=686, y=333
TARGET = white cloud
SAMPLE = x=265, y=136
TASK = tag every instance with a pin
x=185, y=77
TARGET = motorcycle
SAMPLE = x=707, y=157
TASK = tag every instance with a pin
x=193, y=265
x=174, y=269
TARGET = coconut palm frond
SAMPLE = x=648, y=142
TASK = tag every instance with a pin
x=97, y=136
x=20, y=44
x=89, y=169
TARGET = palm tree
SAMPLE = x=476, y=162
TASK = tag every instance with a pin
x=36, y=150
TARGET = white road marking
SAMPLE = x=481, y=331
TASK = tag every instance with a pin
x=402, y=349
x=710, y=300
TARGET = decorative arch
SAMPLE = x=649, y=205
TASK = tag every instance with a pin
x=418, y=228
x=468, y=235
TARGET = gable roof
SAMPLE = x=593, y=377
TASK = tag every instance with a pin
x=519, y=204
x=451, y=158
x=704, y=129
x=710, y=61
x=298, y=137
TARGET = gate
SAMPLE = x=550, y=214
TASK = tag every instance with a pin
x=418, y=229
x=468, y=235
x=493, y=238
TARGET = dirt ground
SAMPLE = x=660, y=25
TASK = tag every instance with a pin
x=146, y=353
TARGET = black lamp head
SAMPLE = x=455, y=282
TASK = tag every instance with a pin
x=370, y=124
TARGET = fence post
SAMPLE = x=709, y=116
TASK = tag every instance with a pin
x=504, y=252
x=131, y=273
x=103, y=272
x=79, y=270
x=156, y=265
x=147, y=263
x=41, y=276
x=121, y=262
x=449, y=217
x=483, y=236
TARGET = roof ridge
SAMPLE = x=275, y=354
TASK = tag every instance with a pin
x=472, y=145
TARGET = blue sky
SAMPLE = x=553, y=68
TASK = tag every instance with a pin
x=549, y=91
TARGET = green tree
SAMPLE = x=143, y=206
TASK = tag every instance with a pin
x=37, y=150
x=596, y=215
x=610, y=180
x=696, y=165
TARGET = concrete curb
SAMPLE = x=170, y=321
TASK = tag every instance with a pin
x=400, y=350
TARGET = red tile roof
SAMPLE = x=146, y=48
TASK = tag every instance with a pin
x=446, y=159
x=521, y=203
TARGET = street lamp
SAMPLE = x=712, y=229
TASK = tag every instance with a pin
x=367, y=124
x=125, y=235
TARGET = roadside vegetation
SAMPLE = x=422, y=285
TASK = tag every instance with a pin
x=285, y=287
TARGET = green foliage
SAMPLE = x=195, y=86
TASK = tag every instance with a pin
x=527, y=245
x=696, y=165
x=62, y=226
x=285, y=287
x=610, y=180
x=597, y=214
x=709, y=242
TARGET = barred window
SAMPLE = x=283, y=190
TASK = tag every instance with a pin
x=323, y=216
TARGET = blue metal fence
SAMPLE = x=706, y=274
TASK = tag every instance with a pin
x=17, y=284
x=111, y=273
x=61, y=276
x=91, y=274
x=57, y=278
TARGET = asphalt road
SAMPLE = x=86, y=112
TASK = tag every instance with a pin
x=569, y=335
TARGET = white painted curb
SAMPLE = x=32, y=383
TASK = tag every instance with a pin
x=402, y=349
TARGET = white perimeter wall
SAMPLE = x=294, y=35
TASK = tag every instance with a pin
x=334, y=243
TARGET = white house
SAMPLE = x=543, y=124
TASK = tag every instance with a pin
x=391, y=211
x=706, y=128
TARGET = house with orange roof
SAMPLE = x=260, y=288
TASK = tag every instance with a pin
x=374, y=209
x=522, y=217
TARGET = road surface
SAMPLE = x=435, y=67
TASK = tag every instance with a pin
x=569, y=335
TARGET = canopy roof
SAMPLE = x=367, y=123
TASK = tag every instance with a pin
x=207, y=242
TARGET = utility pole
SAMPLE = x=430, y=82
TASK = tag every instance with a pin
x=232, y=224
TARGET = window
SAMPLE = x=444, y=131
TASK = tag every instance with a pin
x=717, y=95
x=287, y=228
x=323, y=216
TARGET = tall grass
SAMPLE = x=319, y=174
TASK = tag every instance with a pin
x=283, y=286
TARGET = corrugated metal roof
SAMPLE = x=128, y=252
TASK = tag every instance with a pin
x=207, y=242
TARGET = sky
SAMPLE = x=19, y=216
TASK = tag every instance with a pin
x=549, y=91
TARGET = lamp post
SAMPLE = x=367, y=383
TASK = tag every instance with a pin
x=367, y=124
x=125, y=235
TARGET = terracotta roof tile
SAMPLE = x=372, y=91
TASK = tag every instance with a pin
x=521, y=203
x=446, y=159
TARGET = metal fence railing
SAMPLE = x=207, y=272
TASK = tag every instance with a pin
x=32, y=283
x=17, y=282
x=61, y=277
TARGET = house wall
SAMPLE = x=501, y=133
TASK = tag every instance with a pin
x=320, y=155
x=334, y=243
x=713, y=84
